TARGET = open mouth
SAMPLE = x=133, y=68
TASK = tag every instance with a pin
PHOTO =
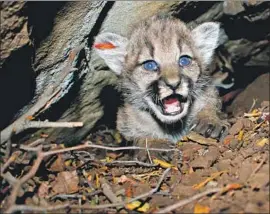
x=173, y=104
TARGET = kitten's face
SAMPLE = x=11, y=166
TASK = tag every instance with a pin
x=162, y=69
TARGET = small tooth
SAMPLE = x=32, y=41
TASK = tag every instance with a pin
x=171, y=109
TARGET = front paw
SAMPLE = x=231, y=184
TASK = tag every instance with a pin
x=213, y=128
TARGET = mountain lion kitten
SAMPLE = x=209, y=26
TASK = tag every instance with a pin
x=164, y=79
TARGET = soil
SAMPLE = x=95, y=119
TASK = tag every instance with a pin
x=91, y=177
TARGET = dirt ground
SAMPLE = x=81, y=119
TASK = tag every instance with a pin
x=200, y=175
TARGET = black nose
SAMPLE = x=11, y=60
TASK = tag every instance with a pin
x=172, y=85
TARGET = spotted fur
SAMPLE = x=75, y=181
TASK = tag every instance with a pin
x=165, y=40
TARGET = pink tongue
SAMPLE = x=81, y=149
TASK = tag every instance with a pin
x=171, y=101
x=172, y=105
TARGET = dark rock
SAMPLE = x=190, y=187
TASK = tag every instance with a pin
x=259, y=89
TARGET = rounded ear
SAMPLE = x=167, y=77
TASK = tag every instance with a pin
x=206, y=38
x=112, y=48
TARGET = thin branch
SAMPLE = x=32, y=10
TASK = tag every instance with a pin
x=40, y=155
x=148, y=153
x=36, y=142
x=30, y=149
x=188, y=200
x=252, y=106
x=67, y=196
x=47, y=124
x=147, y=194
x=107, y=191
x=11, y=159
x=9, y=178
x=17, y=185
x=258, y=167
x=50, y=208
x=131, y=163
x=151, y=192
x=37, y=208
x=88, y=144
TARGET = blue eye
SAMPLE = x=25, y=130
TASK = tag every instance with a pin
x=184, y=61
x=150, y=65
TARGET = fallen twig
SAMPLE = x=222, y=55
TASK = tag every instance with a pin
x=151, y=192
x=36, y=142
x=148, y=153
x=252, y=106
x=147, y=194
x=67, y=196
x=258, y=167
x=107, y=191
x=37, y=208
x=40, y=155
x=11, y=159
x=18, y=183
x=131, y=163
x=88, y=144
x=47, y=124
x=14, y=208
x=188, y=200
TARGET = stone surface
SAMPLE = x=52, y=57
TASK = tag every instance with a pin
x=258, y=89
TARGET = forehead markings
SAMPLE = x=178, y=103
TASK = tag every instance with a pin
x=150, y=47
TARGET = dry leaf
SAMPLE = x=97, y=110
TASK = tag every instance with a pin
x=240, y=135
x=262, y=142
x=124, y=179
x=97, y=181
x=66, y=183
x=198, y=208
x=58, y=165
x=129, y=191
x=212, y=177
x=114, y=155
x=68, y=162
x=43, y=189
x=200, y=139
x=118, y=137
x=253, y=114
x=227, y=140
x=164, y=164
x=135, y=204
x=231, y=187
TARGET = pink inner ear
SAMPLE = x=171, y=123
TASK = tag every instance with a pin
x=104, y=46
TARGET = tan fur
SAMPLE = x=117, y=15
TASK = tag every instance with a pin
x=164, y=40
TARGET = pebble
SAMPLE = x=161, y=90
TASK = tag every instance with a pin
x=247, y=123
x=223, y=165
x=207, y=160
x=212, y=184
x=236, y=128
x=228, y=154
x=233, y=144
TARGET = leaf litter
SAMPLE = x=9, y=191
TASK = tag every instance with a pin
x=208, y=177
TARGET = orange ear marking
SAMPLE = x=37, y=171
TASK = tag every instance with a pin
x=104, y=46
